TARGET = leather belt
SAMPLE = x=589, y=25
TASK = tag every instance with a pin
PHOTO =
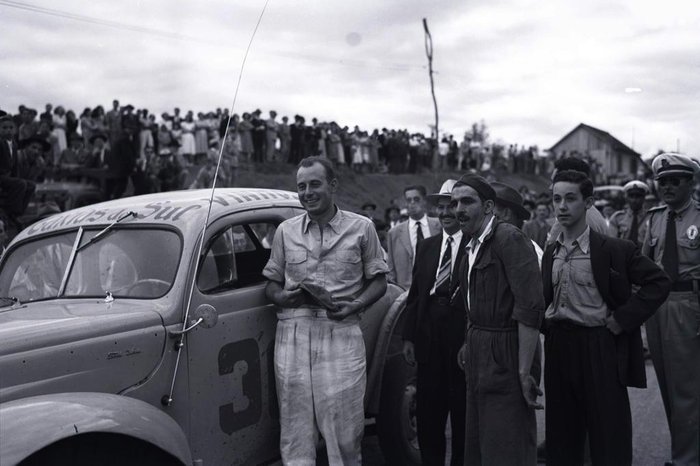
x=493, y=329
x=686, y=285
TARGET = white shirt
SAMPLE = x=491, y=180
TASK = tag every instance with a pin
x=472, y=251
x=456, y=240
x=412, y=230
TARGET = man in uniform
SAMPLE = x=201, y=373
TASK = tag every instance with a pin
x=325, y=267
x=502, y=286
x=433, y=334
x=630, y=223
x=673, y=242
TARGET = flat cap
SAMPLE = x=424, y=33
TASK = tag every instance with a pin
x=672, y=163
x=479, y=184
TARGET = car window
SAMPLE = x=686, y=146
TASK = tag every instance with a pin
x=136, y=263
x=127, y=262
x=34, y=270
x=236, y=257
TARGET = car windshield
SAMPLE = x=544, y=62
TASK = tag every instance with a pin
x=127, y=262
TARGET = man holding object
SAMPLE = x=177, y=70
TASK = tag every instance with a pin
x=320, y=361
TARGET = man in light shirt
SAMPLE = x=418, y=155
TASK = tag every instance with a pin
x=593, y=345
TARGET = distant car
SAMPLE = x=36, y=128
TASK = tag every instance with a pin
x=614, y=194
x=102, y=363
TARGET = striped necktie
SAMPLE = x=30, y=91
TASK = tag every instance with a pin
x=444, y=276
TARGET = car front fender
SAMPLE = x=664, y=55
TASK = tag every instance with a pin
x=30, y=424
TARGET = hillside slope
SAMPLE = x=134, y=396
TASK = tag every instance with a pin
x=355, y=189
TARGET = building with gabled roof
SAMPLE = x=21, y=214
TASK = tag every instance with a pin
x=611, y=160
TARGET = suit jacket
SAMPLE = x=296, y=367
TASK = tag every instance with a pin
x=418, y=302
x=618, y=264
x=8, y=161
x=400, y=252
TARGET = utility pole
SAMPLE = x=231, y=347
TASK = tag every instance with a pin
x=429, y=54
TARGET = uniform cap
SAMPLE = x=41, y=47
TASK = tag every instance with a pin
x=636, y=185
x=671, y=163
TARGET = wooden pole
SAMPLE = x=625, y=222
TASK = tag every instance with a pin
x=429, y=54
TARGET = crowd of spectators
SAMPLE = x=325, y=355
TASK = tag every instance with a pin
x=251, y=138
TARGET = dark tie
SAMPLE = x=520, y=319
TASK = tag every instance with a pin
x=444, y=276
x=670, y=257
x=419, y=232
x=634, y=229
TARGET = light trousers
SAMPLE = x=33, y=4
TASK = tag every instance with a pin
x=320, y=369
x=675, y=351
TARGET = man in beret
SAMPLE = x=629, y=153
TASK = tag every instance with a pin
x=673, y=333
x=501, y=283
x=631, y=222
x=433, y=334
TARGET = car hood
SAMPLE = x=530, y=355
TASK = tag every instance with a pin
x=80, y=345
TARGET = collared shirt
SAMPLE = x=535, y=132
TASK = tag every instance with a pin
x=687, y=239
x=473, y=249
x=412, y=230
x=576, y=296
x=594, y=219
x=339, y=260
x=456, y=240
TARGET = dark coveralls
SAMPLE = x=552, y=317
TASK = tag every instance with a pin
x=505, y=287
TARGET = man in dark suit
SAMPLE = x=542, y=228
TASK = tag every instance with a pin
x=433, y=334
x=593, y=345
x=16, y=191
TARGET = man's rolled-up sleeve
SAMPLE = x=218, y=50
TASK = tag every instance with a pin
x=372, y=253
x=274, y=269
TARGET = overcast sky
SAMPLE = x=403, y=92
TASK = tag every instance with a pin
x=532, y=70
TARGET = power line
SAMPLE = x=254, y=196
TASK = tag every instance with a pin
x=184, y=37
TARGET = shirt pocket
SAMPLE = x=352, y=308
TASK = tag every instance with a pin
x=297, y=260
x=586, y=292
x=348, y=265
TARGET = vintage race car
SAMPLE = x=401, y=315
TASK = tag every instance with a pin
x=99, y=363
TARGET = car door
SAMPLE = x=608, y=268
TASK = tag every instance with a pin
x=233, y=400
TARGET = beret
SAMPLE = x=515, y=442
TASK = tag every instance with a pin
x=479, y=184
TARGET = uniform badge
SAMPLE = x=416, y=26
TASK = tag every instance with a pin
x=692, y=232
x=653, y=241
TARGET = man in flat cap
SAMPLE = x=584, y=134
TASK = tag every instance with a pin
x=631, y=222
x=673, y=242
x=502, y=286
x=433, y=334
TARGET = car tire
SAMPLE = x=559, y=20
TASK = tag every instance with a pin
x=396, y=420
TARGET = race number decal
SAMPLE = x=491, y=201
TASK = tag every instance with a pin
x=239, y=362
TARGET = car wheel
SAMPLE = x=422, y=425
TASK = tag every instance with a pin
x=396, y=420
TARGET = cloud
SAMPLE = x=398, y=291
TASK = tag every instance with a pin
x=532, y=71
